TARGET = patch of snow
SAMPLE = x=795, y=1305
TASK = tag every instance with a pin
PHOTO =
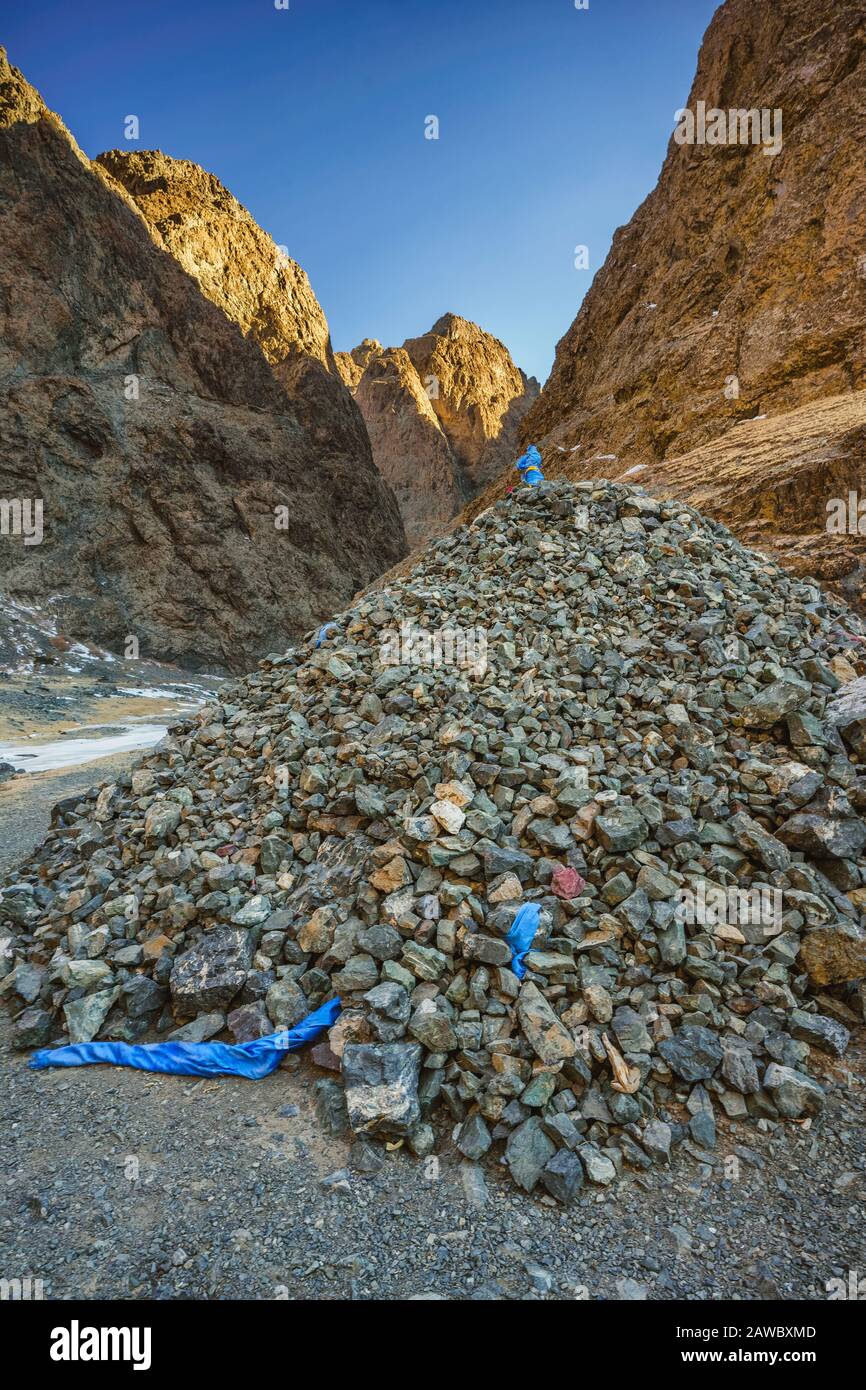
x=146, y=692
x=45, y=757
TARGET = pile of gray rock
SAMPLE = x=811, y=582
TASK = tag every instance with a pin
x=590, y=700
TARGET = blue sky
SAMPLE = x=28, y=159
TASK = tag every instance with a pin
x=553, y=123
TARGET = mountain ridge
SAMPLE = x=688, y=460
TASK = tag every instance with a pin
x=159, y=439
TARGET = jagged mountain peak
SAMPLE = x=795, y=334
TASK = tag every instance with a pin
x=159, y=440
x=217, y=241
x=442, y=412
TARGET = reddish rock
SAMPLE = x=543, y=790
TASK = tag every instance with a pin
x=567, y=882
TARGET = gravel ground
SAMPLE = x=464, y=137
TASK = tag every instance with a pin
x=119, y=1184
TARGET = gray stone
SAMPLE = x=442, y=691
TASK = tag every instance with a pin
x=621, y=828
x=286, y=1004
x=825, y=1033
x=201, y=1029
x=549, y=1039
x=738, y=1067
x=693, y=1053
x=562, y=1176
x=161, y=819
x=631, y=1031
x=249, y=1022
x=253, y=913
x=758, y=842
x=794, y=1093
x=432, y=1027
x=527, y=1151
x=381, y=1081
x=33, y=1028
x=84, y=1017
x=599, y=1168
x=775, y=701
x=210, y=974
x=330, y=1101
x=474, y=1139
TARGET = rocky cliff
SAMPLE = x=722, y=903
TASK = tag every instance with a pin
x=739, y=286
x=443, y=414
x=781, y=481
x=410, y=447
x=479, y=395
x=193, y=496
x=223, y=248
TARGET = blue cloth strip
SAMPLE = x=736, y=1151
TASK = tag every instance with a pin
x=253, y=1059
x=522, y=935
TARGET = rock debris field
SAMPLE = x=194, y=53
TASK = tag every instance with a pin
x=657, y=743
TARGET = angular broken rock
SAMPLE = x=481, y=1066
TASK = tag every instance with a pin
x=202, y=1028
x=833, y=955
x=824, y=836
x=759, y=843
x=562, y=1176
x=474, y=1138
x=210, y=974
x=693, y=1053
x=773, y=703
x=286, y=1004
x=527, y=1151
x=249, y=1022
x=85, y=1017
x=738, y=1066
x=161, y=819
x=381, y=1081
x=794, y=1093
x=566, y=882
x=549, y=1039
x=33, y=1028
x=828, y=1034
x=848, y=705
x=621, y=828
x=599, y=1168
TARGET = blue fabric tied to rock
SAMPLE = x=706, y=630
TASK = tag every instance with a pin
x=529, y=465
x=323, y=632
x=252, y=1059
x=522, y=935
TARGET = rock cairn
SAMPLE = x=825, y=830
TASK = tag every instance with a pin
x=588, y=699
